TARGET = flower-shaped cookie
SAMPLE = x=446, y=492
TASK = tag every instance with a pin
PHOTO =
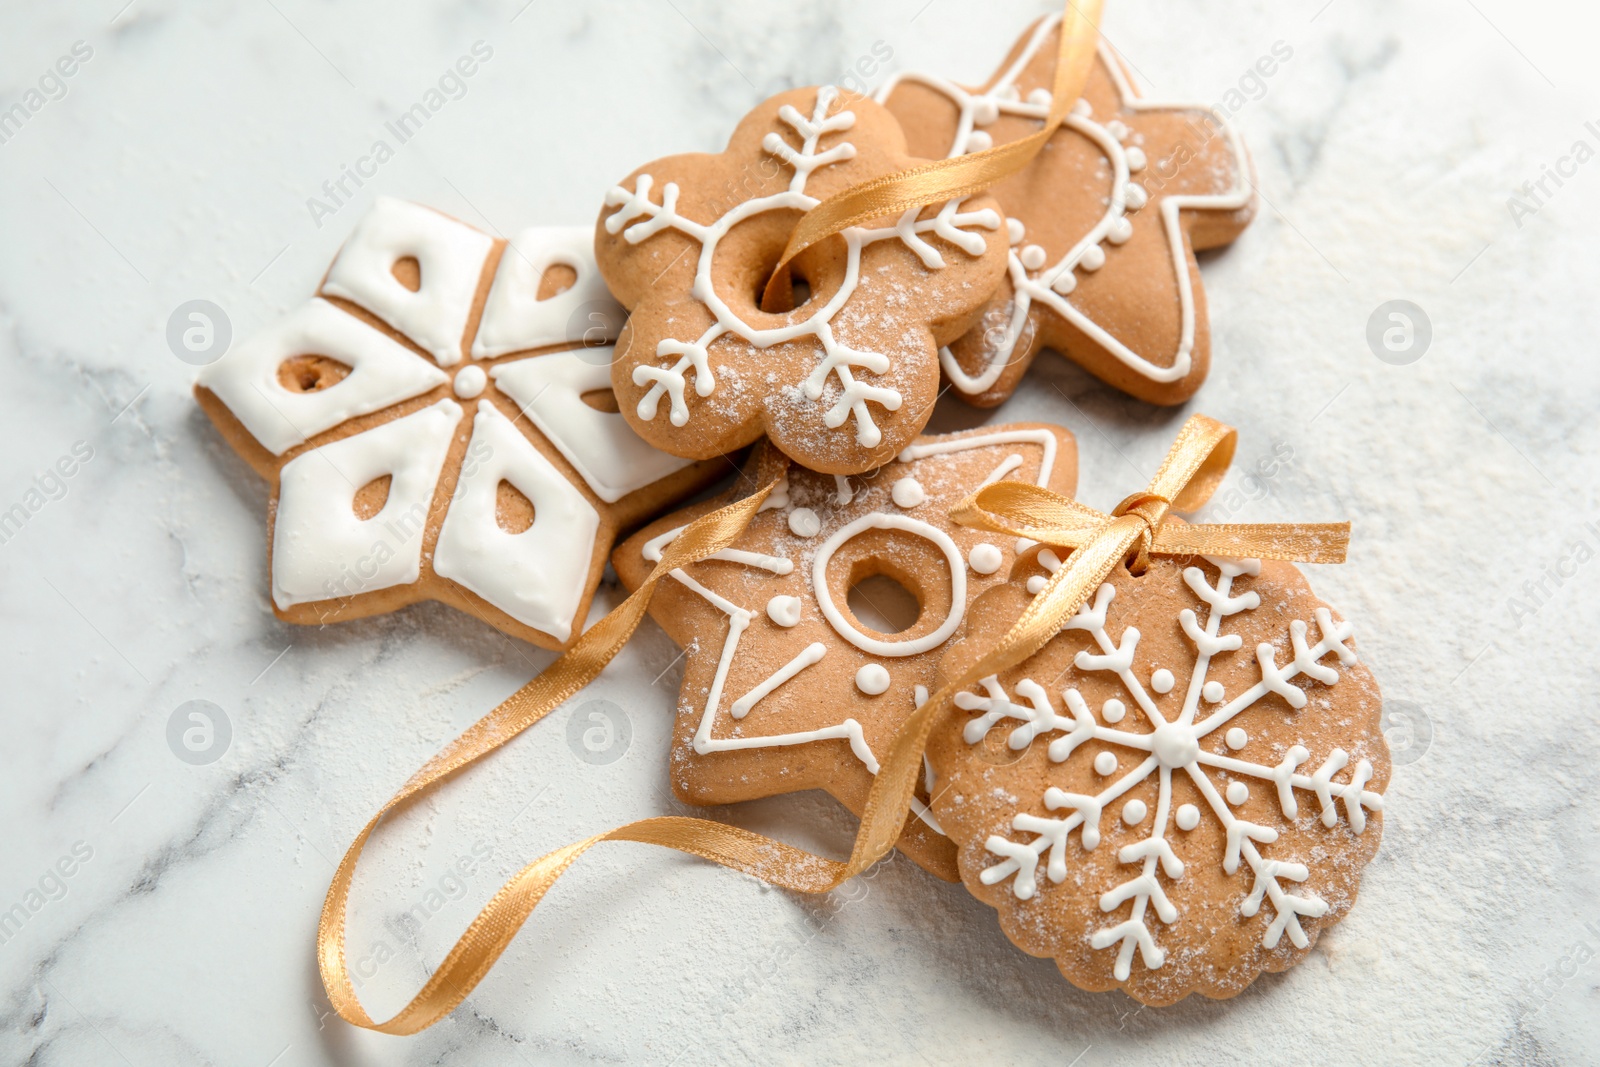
x=1194, y=774
x=819, y=630
x=438, y=424
x=848, y=377
x=1105, y=222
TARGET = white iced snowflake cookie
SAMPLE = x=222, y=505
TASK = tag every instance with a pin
x=817, y=632
x=1176, y=793
x=438, y=424
x=848, y=377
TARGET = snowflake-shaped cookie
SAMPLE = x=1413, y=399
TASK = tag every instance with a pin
x=1195, y=775
x=1104, y=223
x=794, y=679
x=438, y=424
x=847, y=378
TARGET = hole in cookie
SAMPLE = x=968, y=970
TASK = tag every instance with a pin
x=799, y=294
x=556, y=279
x=513, y=512
x=602, y=400
x=881, y=603
x=310, y=374
x=371, y=497
x=408, y=272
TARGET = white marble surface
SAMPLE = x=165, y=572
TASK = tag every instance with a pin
x=177, y=166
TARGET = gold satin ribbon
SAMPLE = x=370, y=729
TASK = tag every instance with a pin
x=947, y=179
x=1136, y=529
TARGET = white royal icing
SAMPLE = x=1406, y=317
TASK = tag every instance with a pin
x=538, y=576
x=1034, y=279
x=612, y=459
x=451, y=257
x=874, y=645
x=985, y=558
x=785, y=610
x=873, y=679
x=470, y=382
x=838, y=359
x=382, y=372
x=803, y=522
x=907, y=493
x=1173, y=746
x=515, y=319
x=320, y=549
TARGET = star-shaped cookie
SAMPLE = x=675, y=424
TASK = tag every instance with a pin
x=438, y=424
x=814, y=635
x=1104, y=223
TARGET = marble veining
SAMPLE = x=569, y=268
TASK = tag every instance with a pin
x=157, y=911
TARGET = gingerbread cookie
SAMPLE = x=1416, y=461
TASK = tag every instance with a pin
x=800, y=674
x=1188, y=777
x=1104, y=223
x=438, y=424
x=846, y=379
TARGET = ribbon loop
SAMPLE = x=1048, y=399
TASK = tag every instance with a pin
x=891, y=195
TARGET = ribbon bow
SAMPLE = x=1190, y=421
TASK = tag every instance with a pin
x=1138, y=528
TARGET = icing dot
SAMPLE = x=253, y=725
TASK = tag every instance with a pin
x=1120, y=231
x=1238, y=793
x=1033, y=257
x=907, y=493
x=984, y=110
x=1064, y=282
x=1116, y=129
x=1236, y=738
x=1188, y=816
x=1105, y=763
x=1136, y=160
x=1015, y=230
x=803, y=522
x=1212, y=692
x=872, y=679
x=977, y=141
x=1008, y=93
x=1036, y=584
x=1133, y=812
x=470, y=381
x=1094, y=257
x=1082, y=108
x=1161, y=681
x=1039, y=97
x=784, y=610
x=1113, y=710
x=1135, y=196
x=985, y=558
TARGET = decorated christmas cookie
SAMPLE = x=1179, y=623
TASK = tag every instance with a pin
x=1103, y=224
x=847, y=378
x=438, y=424
x=819, y=631
x=1190, y=783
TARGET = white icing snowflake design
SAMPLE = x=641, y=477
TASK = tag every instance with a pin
x=640, y=218
x=1173, y=747
x=463, y=411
